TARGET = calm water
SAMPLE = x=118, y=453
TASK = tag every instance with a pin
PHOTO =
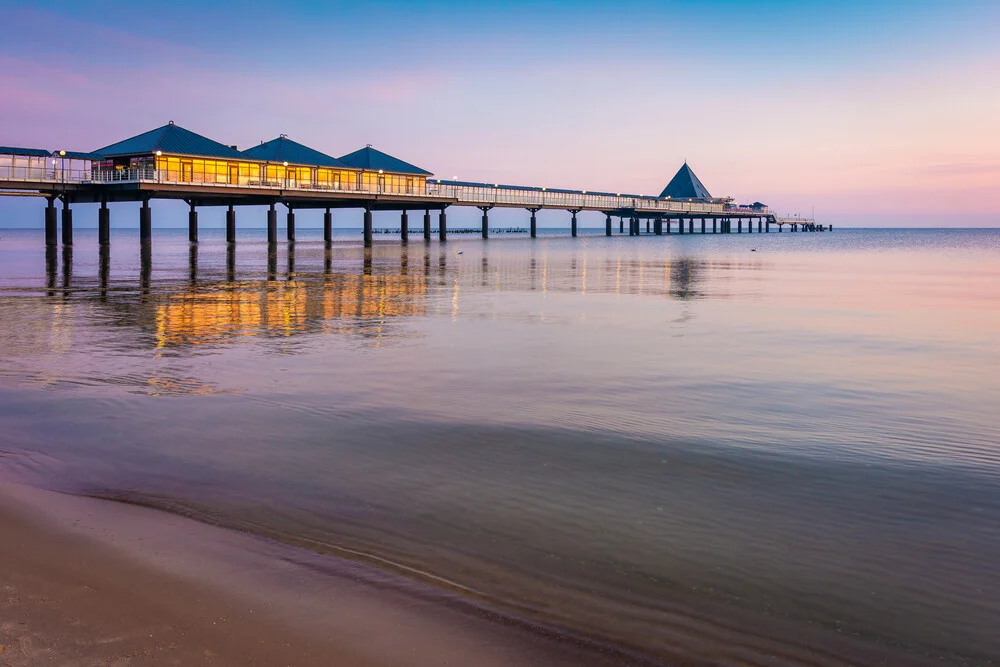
x=784, y=456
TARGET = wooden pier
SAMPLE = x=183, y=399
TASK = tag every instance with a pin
x=173, y=163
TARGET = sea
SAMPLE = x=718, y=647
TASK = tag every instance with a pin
x=741, y=449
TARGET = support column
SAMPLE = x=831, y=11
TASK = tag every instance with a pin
x=658, y=226
x=404, y=227
x=767, y=225
x=690, y=225
x=427, y=225
x=621, y=225
x=486, y=221
x=572, y=224
x=290, y=223
x=607, y=225
x=534, y=223
x=631, y=225
x=51, y=223
x=104, y=224
x=715, y=225
x=760, y=225
x=703, y=225
x=739, y=225
x=231, y=225
x=272, y=225
x=67, y=222
x=192, y=224
x=145, y=223
x=328, y=226
x=680, y=225
x=368, y=226
x=647, y=225
x=443, y=226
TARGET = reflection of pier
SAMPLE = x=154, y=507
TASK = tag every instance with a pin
x=171, y=162
x=356, y=291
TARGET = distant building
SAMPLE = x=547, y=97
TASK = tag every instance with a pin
x=686, y=187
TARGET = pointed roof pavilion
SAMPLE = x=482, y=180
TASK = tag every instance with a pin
x=685, y=185
x=284, y=149
x=373, y=160
x=171, y=139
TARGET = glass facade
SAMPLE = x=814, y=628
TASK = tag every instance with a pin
x=181, y=169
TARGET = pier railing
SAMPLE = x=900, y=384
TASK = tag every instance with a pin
x=460, y=193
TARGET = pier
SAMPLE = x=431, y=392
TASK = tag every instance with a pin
x=171, y=162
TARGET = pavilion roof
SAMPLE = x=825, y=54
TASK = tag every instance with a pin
x=284, y=149
x=373, y=160
x=174, y=139
x=685, y=185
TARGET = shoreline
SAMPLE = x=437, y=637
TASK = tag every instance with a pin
x=71, y=568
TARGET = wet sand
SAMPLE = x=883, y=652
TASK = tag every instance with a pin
x=92, y=582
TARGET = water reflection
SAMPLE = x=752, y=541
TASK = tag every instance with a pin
x=364, y=284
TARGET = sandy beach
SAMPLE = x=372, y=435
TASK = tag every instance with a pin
x=93, y=582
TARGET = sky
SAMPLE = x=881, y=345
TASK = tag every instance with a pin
x=870, y=113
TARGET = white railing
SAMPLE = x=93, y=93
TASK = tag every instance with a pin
x=473, y=194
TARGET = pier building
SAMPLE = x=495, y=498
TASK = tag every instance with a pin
x=171, y=162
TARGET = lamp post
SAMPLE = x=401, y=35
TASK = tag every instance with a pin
x=285, y=164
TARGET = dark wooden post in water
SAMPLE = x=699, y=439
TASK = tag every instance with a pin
x=145, y=223
x=51, y=224
x=739, y=225
x=486, y=220
x=572, y=222
x=715, y=225
x=404, y=227
x=272, y=225
x=290, y=223
x=193, y=223
x=67, y=222
x=328, y=226
x=680, y=225
x=647, y=225
x=703, y=225
x=368, y=226
x=658, y=226
x=621, y=225
x=104, y=223
x=690, y=225
x=534, y=222
x=427, y=225
x=607, y=224
x=442, y=226
x=231, y=225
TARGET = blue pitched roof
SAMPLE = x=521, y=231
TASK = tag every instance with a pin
x=284, y=149
x=373, y=160
x=685, y=185
x=171, y=139
x=27, y=152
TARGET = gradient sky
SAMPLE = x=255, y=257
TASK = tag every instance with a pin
x=876, y=113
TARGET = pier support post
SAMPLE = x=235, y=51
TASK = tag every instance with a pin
x=427, y=225
x=703, y=225
x=51, y=224
x=290, y=223
x=690, y=225
x=104, y=224
x=767, y=225
x=680, y=225
x=607, y=225
x=534, y=223
x=739, y=225
x=486, y=221
x=145, y=223
x=272, y=225
x=67, y=222
x=572, y=224
x=192, y=224
x=621, y=225
x=368, y=226
x=404, y=227
x=231, y=225
x=647, y=225
x=631, y=225
x=658, y=226
x=443, y=226
x=328, y=226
